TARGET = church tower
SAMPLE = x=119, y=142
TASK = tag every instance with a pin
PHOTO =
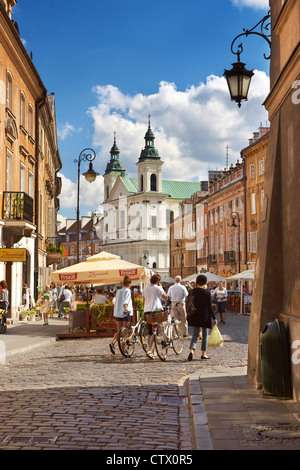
x=149, y=165
x=114, y=169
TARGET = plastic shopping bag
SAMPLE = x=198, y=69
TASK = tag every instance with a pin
x=215, y=339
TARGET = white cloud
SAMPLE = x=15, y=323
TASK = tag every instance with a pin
x=67, y=130
x=68, y=196
x=192, y=127
x=257, y=4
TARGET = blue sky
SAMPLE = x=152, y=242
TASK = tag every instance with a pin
x=111, y=63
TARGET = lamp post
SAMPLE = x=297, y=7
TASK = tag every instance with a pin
x=180, y=246
x=86, y=155
x=239, y=78
x=235, y=216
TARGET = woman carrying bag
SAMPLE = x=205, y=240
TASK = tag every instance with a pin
x=202, y=318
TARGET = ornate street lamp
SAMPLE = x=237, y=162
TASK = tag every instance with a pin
x=235, y=216
x=181, y=260
x=239, y=78
x=86, y=155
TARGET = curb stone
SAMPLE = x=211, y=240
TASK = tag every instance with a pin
x=201, y=438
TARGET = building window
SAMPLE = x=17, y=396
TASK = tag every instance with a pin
x=153, y=182
x=252, y=242
x=22, y=109
x=153, y=221
x=23, y=178
x=252, y=171
x=261, y=167
x=30, y=183
x=142, y=183
x=9, y=91
x=30, y=120
x=253, y=204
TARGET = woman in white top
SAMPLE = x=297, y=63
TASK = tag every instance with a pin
x=221, y=294
x=153, y=296
x=122, y=310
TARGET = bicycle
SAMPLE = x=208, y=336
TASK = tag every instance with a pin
x=128, y=337
x=166, y=335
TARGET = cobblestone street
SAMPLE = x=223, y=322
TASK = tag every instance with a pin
x=73, y=394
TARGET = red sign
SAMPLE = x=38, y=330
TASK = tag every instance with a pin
x=129, y=272
x=68, y=277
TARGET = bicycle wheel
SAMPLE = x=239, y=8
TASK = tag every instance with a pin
x=125, y=341
x=144, y=336
x=161, y=342
x=177, y=338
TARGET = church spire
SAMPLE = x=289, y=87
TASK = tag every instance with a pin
x=149, y=152
x=114, y=165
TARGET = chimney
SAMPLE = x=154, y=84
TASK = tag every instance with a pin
x=263, y=130
x=255, y=136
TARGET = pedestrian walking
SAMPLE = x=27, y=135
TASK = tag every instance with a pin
x=52, y=304
x=202, y=318
x=153, y=296
x=177, y=294
x=221, y=294
x=25, y=297
x=123, y=310
x=4, y=295
x=67, y=298
x=44, y=300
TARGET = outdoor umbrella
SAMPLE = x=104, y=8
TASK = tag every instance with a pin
x=211, y=277
x=247, y=275
x=102, y=268
x=167, y=280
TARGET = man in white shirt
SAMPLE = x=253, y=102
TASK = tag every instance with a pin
x=153, y=295
x=177, y=295
x=100, y=298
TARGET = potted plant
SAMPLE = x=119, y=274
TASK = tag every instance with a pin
x=102, y=316
x=18, y=206
x=55, y=253
x=24, y=315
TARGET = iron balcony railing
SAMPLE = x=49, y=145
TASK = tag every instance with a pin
x=17, y=205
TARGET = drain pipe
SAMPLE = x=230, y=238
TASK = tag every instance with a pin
x=39, y=103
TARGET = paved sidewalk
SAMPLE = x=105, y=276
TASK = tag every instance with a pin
x=26, y=335
x=226, y=413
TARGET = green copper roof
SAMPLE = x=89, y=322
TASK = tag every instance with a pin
x=173, y=189
x=149, y=152
x=115, y=165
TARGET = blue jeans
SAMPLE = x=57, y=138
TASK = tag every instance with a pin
x=195, y=330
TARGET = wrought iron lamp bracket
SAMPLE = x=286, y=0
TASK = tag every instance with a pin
x=265, y=33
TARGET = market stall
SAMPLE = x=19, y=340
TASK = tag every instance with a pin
x=100, y=269
x=247, y=275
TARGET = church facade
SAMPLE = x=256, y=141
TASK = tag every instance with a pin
x=138, y=211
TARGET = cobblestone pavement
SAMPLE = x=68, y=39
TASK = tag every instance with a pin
x=73, y=394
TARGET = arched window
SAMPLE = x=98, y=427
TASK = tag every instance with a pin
x=154, y=265
x=107, y=192
x=142, y=183
x=153, y=182
x=9, y=90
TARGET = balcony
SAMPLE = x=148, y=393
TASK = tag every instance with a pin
x=17, y=214
x=212, y=259
x=229, y=257
x=17, y=206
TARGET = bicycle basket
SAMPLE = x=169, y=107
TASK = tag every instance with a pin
x=158, y=317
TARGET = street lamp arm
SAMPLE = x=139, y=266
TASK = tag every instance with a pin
x=264, y=26
x=84, y=156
